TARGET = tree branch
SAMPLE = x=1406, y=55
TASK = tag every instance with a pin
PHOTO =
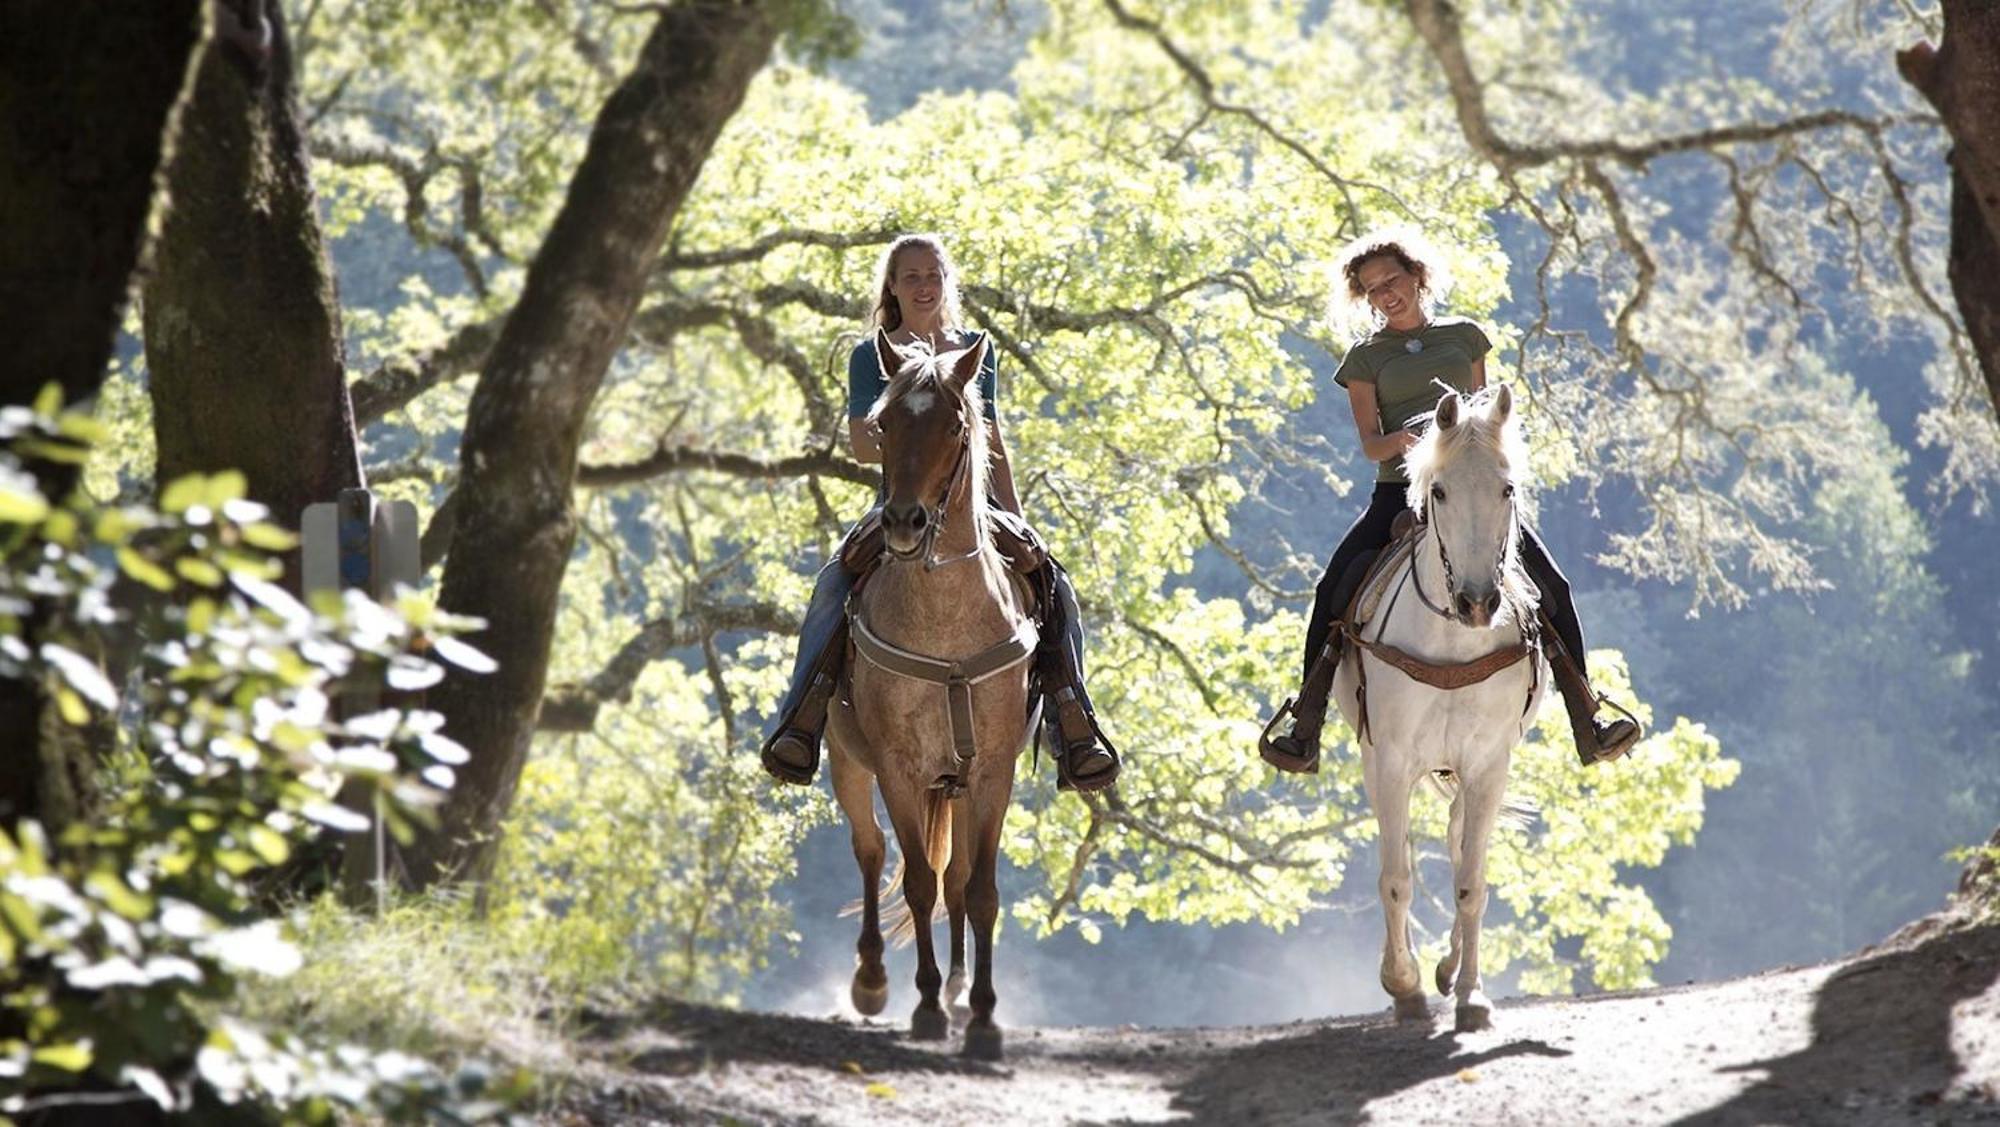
x=677, y=459
x=574, y=707
x=396, y=383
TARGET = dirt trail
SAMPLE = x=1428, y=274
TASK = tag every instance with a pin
x=1908, y=1032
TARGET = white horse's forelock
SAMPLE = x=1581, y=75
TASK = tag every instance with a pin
x=1476, y=431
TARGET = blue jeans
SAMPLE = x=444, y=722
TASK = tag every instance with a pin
x=823, y=617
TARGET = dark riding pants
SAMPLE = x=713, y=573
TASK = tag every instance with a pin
x=1370, y=533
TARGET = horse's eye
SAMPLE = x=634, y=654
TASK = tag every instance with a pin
x=1437, y=494
x=1507, y=491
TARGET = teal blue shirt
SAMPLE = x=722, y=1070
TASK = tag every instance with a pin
x=866, y=381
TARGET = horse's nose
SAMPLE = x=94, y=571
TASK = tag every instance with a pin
x=1477, y=610
x=903, y=524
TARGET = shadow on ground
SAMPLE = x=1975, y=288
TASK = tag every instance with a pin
x=1282, y=1078
x=685, y=1038
x=1881, y=1045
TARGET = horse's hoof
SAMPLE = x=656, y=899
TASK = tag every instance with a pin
x=982, y=1040
x=930, y=1023
x=869, y=999
x=1413, y=1007
x=1474, y=1018
x=1447, y=969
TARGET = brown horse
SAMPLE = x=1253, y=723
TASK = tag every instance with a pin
x=937, y=709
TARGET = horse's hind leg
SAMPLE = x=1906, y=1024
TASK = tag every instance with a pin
x=1454, y=836
x=923, y=831
x=853, y=788
x=956, y=875
x=982, y=1033
x=1389, y=795
x=1482, y=797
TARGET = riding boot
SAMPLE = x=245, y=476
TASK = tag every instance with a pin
x=1596, y=740
x=791, y=755
x=1085, y=758
x=1297, y=749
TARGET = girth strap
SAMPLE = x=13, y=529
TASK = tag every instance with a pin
x=1457, y=675
x=957, y=677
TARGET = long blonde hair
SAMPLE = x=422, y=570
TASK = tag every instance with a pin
x=888, y=314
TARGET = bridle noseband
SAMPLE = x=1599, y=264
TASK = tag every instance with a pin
x=1444, y=558
x=926, y=547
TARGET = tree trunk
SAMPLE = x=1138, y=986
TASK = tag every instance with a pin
x=1961, y=77
x=518, y=456
x=88, y=99
x=242, y=320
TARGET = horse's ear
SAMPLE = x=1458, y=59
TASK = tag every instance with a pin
x=1447, y=412
x=965, y=369
x=1503, y=404
x=887, y=356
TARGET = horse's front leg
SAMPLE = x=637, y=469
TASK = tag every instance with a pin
x=1447, y=967
x=982, y=1033
x=1482, y=796
x=853, y=788
x=1389, y=796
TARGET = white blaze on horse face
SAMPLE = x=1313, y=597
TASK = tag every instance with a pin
x=917, y=402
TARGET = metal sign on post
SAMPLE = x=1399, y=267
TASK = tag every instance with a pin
x=358, y=542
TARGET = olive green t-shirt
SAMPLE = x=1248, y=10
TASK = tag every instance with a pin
x=1403, y=368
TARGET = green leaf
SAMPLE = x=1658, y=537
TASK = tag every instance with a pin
x=49, y=400
x=72, y=1057
x=74, y=712
x=194, y=569
x=269, y=537
x=145, y=570
x=269, y=844
x=183, y=493
x=119, y=896
x=227, y=486
x=21, y=504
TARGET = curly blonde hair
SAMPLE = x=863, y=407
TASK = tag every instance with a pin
x=1411, y=250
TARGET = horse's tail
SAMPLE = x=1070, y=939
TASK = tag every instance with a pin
x=897, y=920
x=1521, y=813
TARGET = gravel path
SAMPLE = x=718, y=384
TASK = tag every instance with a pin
x=1907, y=1032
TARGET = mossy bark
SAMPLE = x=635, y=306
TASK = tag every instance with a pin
x=241, y=313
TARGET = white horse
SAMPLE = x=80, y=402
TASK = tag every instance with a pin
x=1445, y=679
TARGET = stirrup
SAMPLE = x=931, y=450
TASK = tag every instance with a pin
x=1064, y=750
x=784, y=770
x=1278, y=757
x=1638, y=732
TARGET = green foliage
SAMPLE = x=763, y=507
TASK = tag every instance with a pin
x=122, y=939
x=1153, y=273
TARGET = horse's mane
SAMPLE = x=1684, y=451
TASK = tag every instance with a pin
x=1477, y=430
x=922, y=372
